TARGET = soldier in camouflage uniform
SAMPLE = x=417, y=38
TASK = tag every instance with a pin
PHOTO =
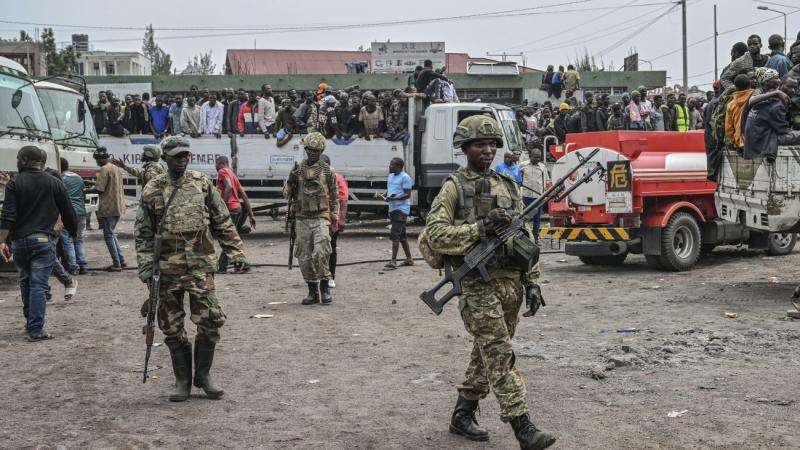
x=195, y=216
x=151, y=167
x=315, y=199
x=474, y=202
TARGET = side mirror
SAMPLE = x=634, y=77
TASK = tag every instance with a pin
x=16, y=99
x=81, y=110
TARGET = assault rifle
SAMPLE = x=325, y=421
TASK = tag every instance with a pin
x=291, y=223
x=154, y=284
x=483, y=253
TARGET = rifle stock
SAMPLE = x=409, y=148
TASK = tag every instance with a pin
x=479, y=257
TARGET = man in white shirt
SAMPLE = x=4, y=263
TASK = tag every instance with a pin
x=450, y=95
x=211, y=117
x=266, y=111
x=534, y=182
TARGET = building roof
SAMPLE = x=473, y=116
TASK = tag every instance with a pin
x=329, y=62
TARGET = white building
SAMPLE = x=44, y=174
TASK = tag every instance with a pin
x=102, y=63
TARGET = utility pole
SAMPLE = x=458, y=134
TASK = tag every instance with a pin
x=685, y=51
x=716, y=75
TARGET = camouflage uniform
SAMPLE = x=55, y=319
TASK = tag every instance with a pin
x=151, y=168
x=458, y=219
x=314, y=202
x=197, y=215
x=312, y=214
x=397, y=117
x=489, y=311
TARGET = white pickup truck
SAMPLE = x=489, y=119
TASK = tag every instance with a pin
x=262, y=166
x=762, y=196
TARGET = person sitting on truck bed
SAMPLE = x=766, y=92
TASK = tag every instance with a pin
x=190, y=117
x=397, y=121
x=371, y=119
x=327, y=122
x=733, y=115
x=766, y=126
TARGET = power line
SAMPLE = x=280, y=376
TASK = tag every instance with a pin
x=576, y=26
x=303, y=27
x=723, y=33
x=636, y=31
x=606, y=31
x=309, y=28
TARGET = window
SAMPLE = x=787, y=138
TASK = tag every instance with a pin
x=96, y=67
x=110, y=68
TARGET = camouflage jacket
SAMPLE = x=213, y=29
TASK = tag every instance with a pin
x=449, y=237
x=397, y=118
x=195, y=217
x=742, y=64
x=325, y=208
x=147, y=172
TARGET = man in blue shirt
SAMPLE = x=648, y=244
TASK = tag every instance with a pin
x=159, y=118
x=398, y=196
x=509, y=167
x=778, y=61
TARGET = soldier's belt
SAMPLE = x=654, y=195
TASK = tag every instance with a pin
x=587, y=233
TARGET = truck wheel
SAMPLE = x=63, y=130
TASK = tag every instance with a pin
x=680, y=243
x=781, y=243
x=604, y=260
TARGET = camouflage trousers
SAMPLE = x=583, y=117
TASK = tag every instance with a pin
x=490, y=313
x=203, y=306
x=313, y=249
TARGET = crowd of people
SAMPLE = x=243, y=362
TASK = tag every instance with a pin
x=754, y=85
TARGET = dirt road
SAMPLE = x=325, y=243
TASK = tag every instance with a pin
x=377, y=369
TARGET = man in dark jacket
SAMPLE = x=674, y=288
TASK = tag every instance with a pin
x=33, y=202
x=601, y=113
x=766, y=125
x=426, y=76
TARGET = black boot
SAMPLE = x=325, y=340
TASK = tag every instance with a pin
x=203, y=358
x=325, y=292
x=182, y=367
x=528, y=436
x=463, y=421
x=313, y=295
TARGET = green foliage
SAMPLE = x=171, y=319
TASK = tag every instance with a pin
x=58, y=61
x=160, y=61
x=202, y=64
x=587, y=63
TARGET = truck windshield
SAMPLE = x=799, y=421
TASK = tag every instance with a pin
x=510, y=130
x=28, y=117
x=61, y=110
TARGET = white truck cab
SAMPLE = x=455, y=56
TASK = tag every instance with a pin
x=22, y=118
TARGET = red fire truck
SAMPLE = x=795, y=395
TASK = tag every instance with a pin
x=654, y=199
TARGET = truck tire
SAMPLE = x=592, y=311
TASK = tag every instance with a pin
x=604, y=260
x=680, y=243
x=781, y=243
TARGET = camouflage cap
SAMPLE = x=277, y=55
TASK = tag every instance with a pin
x=151, y=151
x=174, y=145
x=314, y=141
x=477, y=127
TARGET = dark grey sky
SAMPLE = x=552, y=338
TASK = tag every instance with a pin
x=549, y=32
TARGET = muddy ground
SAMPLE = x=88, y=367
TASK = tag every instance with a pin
x=378, y=369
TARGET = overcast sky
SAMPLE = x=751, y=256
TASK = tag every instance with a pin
x=548, y=32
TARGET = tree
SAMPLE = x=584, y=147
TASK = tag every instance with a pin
x=24, y=36
x=57, y=61
x=160, y=61
x=586, y=63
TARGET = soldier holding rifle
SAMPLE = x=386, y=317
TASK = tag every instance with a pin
x=182, y=212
